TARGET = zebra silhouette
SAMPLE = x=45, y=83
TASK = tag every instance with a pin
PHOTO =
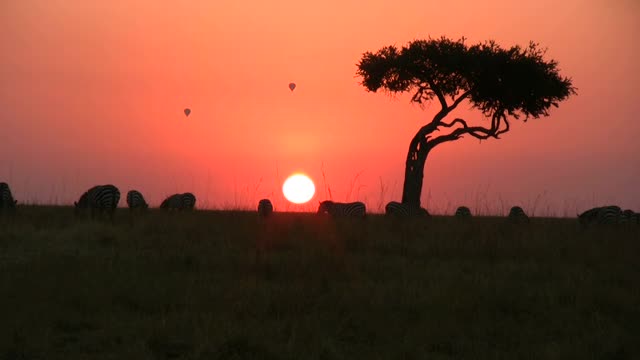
x=6, y=198
x=517, y=215
x=99, y=199
x=265, y=208
x=186, y=201
x=135, y=200
x=627, y=217
x=398, y=209
x=463, y=212
x=601, y=215
x=337, y=209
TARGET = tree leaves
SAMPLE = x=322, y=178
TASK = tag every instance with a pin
x=516, y=81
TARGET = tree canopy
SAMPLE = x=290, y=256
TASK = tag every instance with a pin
x=515, y=81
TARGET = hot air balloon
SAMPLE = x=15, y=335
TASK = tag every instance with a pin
x=187, y=111
x=292, y=86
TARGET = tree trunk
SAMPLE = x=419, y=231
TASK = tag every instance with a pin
x=414, y=170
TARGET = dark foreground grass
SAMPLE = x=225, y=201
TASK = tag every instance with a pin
x=223, y=285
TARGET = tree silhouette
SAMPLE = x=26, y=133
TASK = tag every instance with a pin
x=501, y=83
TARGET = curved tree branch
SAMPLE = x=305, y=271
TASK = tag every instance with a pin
x=464, y=123
x=478, y=132
x=472, y=130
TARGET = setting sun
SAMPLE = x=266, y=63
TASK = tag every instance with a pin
x=298, y=189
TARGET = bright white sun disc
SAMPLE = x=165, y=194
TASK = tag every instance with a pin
x=298, y=189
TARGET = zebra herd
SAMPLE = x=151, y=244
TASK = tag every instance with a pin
x=402, y=210
x=104, y=199
x=392, y=209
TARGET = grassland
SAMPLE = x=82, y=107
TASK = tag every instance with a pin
x=224, y=285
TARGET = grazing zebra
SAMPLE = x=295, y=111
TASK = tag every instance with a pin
x=626, y=217
x=601, y=215
x=188, y=201
x=336, y=209
x=98, y=199
x=398, y=209
x=185, y=201
x=6, y=199
x=135, y=200
x=463, y=212
x=517, y=215
x=265, y=208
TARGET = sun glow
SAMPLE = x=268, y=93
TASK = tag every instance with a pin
x=298, y=188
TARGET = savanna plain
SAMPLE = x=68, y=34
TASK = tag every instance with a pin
x=228, y=285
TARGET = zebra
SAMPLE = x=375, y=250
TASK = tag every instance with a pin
x=601, y=215
x=98, y=199
x=463, y=212
x=188, y=201
x=135, y=200
x=6, y=198
x=185, y=201
x=517, y=215
x=626, y=217
x=336, y=209
x=265, y=208
x=398, y=209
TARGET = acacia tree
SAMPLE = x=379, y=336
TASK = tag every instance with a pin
x=500, y=83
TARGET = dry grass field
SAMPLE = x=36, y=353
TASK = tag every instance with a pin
x=226, y=285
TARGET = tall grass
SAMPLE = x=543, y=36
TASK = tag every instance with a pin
x=226, y=285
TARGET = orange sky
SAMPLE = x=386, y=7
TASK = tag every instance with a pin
x=92, y=92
